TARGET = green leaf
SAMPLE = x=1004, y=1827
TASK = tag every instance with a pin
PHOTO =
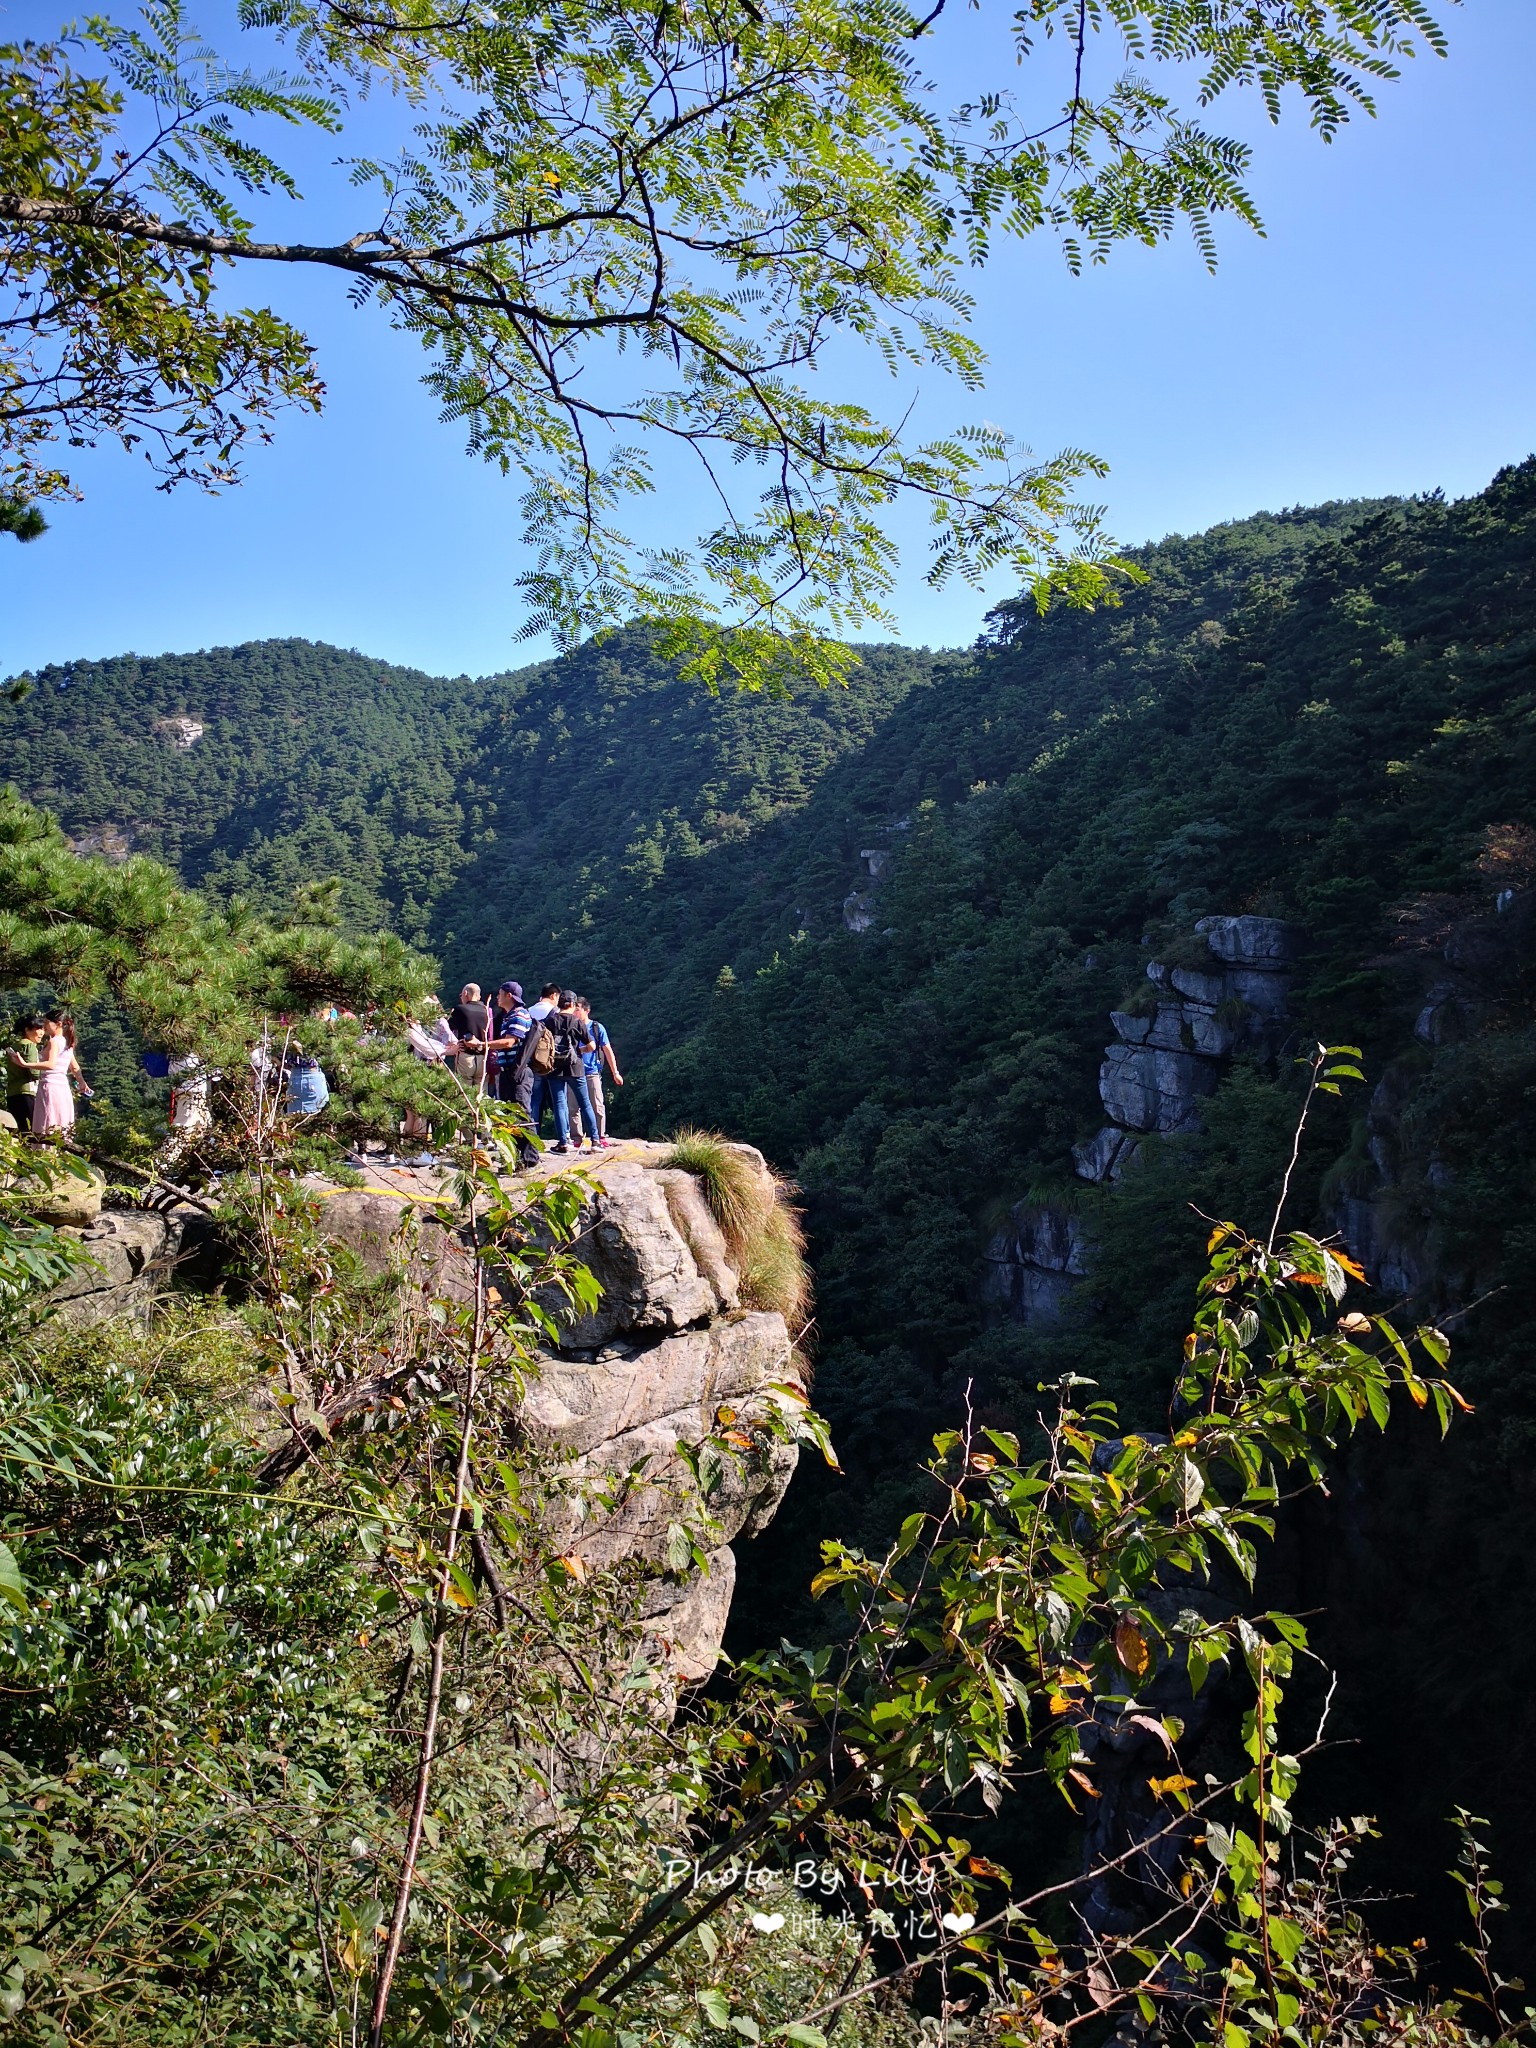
x=13, y=1587
x=1286, y=1938
x=1377, y=1402
x=1436, y=1343
x=716, y=2006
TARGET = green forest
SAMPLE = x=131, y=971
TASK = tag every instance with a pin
x=878, y=931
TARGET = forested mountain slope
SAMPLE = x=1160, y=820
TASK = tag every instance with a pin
x=1324, y=717
x=1347, y=743
x=497, y=820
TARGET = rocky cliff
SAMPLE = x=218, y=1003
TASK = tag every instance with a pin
x=673, y=1352
x=1226, y=991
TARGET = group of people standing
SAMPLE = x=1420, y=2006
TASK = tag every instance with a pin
x=551, y=1057
x=41, y=1070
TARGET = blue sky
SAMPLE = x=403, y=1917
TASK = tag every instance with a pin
x=1380, y=338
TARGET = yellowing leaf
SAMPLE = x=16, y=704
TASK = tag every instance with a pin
x=1087, y=1784
x=1131, y=1647
x=576, y=1566
x=1351, y=1266
x=1176, y=1783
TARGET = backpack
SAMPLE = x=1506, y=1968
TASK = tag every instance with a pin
x=541, y=1060
x=568, y=1062
x=516, y=1025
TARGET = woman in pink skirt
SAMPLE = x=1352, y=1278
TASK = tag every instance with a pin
x=54, y=1108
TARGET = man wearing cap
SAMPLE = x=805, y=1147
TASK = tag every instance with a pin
x=510, y=1025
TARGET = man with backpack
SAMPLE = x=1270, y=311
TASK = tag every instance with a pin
x=571, y=1068
x=534, y=1081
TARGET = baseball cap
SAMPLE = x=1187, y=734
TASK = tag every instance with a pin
x=512, y=988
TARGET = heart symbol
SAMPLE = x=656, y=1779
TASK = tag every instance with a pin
x=767, y=1923
x=959, y=1923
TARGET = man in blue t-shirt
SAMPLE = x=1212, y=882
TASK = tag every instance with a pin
x=598, y=1055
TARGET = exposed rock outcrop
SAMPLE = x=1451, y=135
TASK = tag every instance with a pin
x=180, y=731
x=134, y=1255
x=668, y=1348
x=670, y=1356
x=1168, y=1056
x=874, y=866
x=1033, y=1263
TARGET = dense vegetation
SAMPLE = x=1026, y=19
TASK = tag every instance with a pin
x=310, y=1731
x=1324, y=716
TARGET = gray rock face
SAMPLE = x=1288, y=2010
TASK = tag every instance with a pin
x=621, y=1416
x=667, y=1349
x=643, y=1262
x=1264, y=993
x=1145, y=1089
x=133, y=1256
x=1209, y=989
x=1166, y=1062
x=1444, y=1017
x=1032, y=1266
x=1176, y=1027
x=1163, y=1064
x=1096, y=1158
x=1248, y=941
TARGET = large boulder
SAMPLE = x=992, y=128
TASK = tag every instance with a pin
x=636, y=1247
x=73, y=1201
x=668, y=1357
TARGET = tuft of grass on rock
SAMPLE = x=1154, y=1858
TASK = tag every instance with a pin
x=762, y=1232
x=740, y=1198
x=774, y=1273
